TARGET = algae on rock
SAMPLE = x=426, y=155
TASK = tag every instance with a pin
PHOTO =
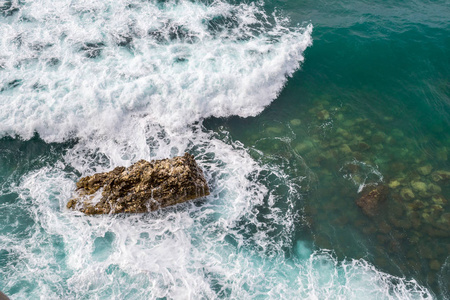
x=142, y=187
x=371, y=199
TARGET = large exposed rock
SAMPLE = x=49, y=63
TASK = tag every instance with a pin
x=142, y=187
x=371, y=199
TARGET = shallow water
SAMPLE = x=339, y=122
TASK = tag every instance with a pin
x=87, y=86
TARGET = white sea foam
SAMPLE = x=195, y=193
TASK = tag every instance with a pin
x=85, y=66
x=129, y=80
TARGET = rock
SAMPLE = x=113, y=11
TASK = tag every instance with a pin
x=144, y=186
x=304, y=147
x=441, y=176
x=419, y=186
x=427, y=217
x=295, y=122
x=344, y=133
x=439, y=200
x=394, y=184
x=434, y=189
x=323, y=115
x=407, y=194
x=345, y=149
x=435, y=265
x=425, y=170
x=436, y=210
x=351, y=168
x=384, y=227
x=417, y=204
x=371, y=199
x=274, y=130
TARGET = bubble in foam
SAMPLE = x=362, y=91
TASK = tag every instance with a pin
x=80, y=67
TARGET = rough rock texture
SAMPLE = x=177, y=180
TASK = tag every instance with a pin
x=371, y=199
x=441, y=176
x=142, y=187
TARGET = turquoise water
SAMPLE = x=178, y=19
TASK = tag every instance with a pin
x=290, y=107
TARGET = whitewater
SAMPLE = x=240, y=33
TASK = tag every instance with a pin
x=106, y=83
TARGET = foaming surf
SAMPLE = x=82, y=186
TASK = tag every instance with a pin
x=74, y=68
x=126, y=80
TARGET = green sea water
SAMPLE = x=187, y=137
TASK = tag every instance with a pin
x=369, y=107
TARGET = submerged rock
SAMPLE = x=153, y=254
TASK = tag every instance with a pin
x=344, y=133
x=419, y=186
x=433, y=188
x=323, y=115
x=439, y=200
x=407, y=194
x=371, y=199
x=441, y=176
x=345, y=149
x=394, y=184
x=425, y=170
x=435, y=265
x=296, y=122
x=142, y=187
x=304, y=147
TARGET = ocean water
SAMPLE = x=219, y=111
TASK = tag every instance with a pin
x=291, y=108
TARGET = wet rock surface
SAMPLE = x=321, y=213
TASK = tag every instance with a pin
x=372, y=197
x=142, y=187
